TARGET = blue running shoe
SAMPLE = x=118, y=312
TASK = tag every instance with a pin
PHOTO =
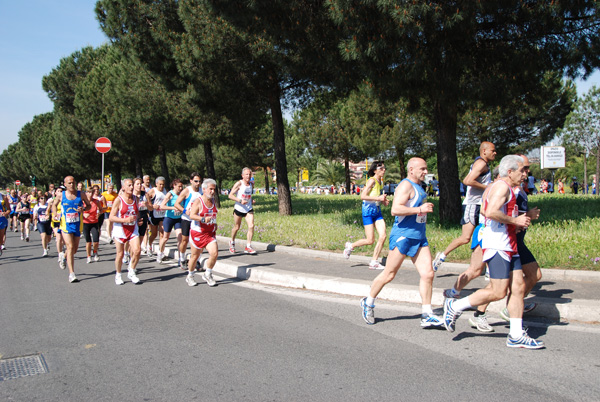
x=431, y=321
x=525, y=341
x=367, y=312
x=450, y=315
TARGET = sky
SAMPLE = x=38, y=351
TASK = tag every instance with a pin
x=35, y=35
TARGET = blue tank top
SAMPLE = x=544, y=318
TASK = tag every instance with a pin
x=171, y=213
x=71, y=221
x=412, y=226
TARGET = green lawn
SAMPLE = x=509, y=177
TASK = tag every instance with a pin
x=566, y=235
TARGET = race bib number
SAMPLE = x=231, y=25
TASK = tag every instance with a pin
x=421, y=218
x=72, y=217
x=109, y=204
x=209, y=219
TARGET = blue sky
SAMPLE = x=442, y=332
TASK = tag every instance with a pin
x=34, y=36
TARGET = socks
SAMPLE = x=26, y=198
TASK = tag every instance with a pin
x=461, y=304
x=370, y=301
x=454, y=293
x=516, y=327
x=426, y=309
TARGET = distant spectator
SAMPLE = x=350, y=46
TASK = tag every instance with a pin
x=544, y=186
x=436, y=186
x=531, y=184
x=574, y=185
x=551, y=187
x=561, y=187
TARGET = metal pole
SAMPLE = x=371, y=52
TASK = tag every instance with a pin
x=102, y=177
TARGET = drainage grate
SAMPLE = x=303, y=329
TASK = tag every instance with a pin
x=22, y=367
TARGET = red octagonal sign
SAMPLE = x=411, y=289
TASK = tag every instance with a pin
x=103, y=145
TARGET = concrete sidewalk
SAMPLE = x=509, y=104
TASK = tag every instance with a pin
x=561, y=294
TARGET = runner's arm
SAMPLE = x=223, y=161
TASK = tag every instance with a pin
x=233, y=192
x=182, y=196
x=478, y=169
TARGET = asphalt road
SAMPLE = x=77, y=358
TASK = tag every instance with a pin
x=164, y=341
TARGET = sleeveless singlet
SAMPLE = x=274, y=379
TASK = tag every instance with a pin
x=209, y=219
x=499, y=236
x=126, y=230
x=70, y=219
x=158, y=199
x=172, y=213
x=245, y=193
x=412, y=226
x=187, y=203
x=473, y=196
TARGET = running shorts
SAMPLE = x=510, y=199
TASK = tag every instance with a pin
x=169, y=224
x=470, y=214
x=200, y=239
x=406, y=246
x=371, y=214
x=44, y=227
x=501, y=265
x=242, y=214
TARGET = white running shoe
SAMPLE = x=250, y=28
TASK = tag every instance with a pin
x=481, y=323
x=374, y=264
x=437, y=262
x=89, y=260
x=348, y=250
x=73, y=278
x=62, y=261
x=96, y=258
x=232, y=247
x=45, y=253
x=132, y=276
x=126, y=258
x=159, y=257
x=209, y=279
x=119, y=279
x=149, y=252
x=190, y=280
x=143, y=251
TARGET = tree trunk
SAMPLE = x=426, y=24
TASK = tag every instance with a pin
x=584, y=173
x=445, y=116
x=402, y=162
x=598, y=169
x=347, y=171
x=267, y=189
x=283, y=186
x=138, y=168
x=210, y=168
x=164, y=170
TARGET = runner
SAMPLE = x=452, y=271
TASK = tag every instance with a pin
x=91, y=228
x=13, y=199
x=184, y=201
x=477, y=179
x=124, y=215
x=143, y=207
x=499, y=244
x=24, y=212
x=73, y=203
x=203, y=213
x=156, y=195
x=408, y=238
x=100, y=198
x=241, y=193
x=147, y=186
x=56, y=218
x=4, y=216
x=172, y=219
x=41, y=213
x=33, y=201
x=109, y=196
x=372, y=197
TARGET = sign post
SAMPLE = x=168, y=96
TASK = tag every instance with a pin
x=552, y=158
x=103, y=145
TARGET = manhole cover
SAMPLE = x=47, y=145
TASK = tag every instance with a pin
x=25, y=366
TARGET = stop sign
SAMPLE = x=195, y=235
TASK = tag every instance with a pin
x=17, y=182
x=103, y=145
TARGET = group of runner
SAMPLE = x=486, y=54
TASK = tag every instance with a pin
x=496, y=216
x=137, y=215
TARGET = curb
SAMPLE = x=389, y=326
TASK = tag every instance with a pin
x=550, y=308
